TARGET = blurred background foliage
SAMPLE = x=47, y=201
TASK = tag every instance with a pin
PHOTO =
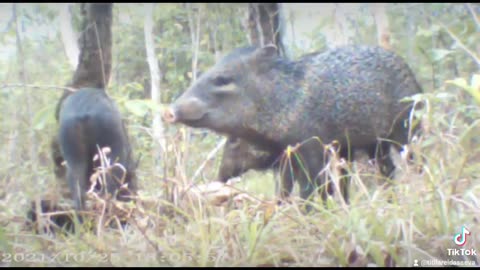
x=440, y=42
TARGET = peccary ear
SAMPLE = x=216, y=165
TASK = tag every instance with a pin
x=263, y=57
x=266, y=52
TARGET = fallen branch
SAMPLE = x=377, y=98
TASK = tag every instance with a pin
x=19, y=85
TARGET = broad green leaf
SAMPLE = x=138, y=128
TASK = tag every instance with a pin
x=137, y=107
x=462, y=83
x=475, y=82
x=428, y=32
x=424, y=32
x=439, y=54
x=443, y=95
x=140, y=107
x=136, y=86
x=152, y=105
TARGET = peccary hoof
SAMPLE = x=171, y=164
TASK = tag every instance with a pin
x=63, y=220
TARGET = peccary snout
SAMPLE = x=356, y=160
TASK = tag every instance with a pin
x=188, y=109
x=169, y=115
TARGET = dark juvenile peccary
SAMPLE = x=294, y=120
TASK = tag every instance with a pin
x=89, y=118
x=239, y=156
x=349, y=94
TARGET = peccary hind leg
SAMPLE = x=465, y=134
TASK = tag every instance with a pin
x=76, y=154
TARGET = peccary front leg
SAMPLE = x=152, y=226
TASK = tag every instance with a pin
x=309, y=164
x=344, y=185
x=287, y=173
x=384, y=161
x=283, y=185
x=385, y=164
x=400, y=136
x=286, y=185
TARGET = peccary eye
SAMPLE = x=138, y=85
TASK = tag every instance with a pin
x=233, y=139
x=234, y=142
x=222, y=80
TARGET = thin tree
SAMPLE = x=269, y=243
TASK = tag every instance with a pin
x=383, y=27
x=95, y=60
x=340, y=32
x=155, y=78
x=95, y=43
x=266, y=25
x=68, y=34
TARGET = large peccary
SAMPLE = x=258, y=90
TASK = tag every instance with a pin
x=349, y=94
x=89, y=119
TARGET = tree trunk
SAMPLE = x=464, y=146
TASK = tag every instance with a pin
x=68, y=35
x=155, y=75
x=283, y=43
x=340, y=32
x=253, y=35
x=214, y=44
x=95, y=47
x=341, y=25
x=95, y=59
x=266, y=25
x=195, y=36
x=383, y=27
